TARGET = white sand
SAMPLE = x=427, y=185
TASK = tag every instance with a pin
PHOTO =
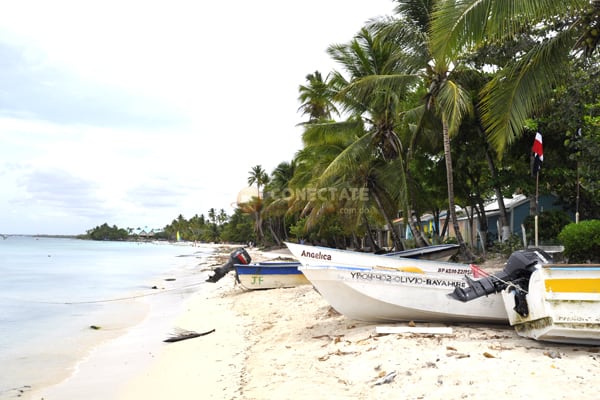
x=289, y=344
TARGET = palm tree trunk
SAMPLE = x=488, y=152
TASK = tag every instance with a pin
x=372, y=241
x=274, y=234
x=397, y=243
x=465, y=251
x=417, y=233
x=420, y=240
x=505, y=227
x=258, y=227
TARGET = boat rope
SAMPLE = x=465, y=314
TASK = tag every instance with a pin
x=516, y=287
x=510, y=284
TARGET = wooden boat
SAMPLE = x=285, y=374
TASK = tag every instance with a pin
x=317, y=255
x=269, y=275
x=376, y=294
x=561, y=304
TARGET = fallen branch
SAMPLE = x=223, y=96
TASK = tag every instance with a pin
x=186, y=335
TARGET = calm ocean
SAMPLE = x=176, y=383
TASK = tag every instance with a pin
x=53, y=290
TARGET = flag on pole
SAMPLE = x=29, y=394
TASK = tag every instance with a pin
x=538, y=154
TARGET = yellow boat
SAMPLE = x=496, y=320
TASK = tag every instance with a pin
x=543, y=300
x=561, y=304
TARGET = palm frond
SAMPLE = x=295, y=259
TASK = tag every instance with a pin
x=454, y=103
x=517, y=92
x=457, y=24
x=346, y=163
x=365, y=88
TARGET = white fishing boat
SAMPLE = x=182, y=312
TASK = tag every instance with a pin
x=561, y=304
x=380, y=294
x=321, y=256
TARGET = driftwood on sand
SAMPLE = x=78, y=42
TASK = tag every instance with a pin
x=184, y=335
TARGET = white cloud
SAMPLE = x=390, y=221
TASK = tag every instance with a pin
x=133, y=112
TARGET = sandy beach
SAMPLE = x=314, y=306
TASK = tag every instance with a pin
x=290, y=344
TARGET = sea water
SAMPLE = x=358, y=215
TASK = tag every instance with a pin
x=55, y=292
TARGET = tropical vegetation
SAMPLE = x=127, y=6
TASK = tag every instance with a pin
x=582, y=241
x=106, y=232
x=433, y=110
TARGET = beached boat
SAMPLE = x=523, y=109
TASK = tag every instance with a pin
x=440, y=252
x=238, y=256
x=376, y=294
x=317, y=255
x=545, y=301
x=269, y=275
x=562, y=304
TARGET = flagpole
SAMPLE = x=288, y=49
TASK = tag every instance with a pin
x=577, y=166
x=538, y=152
x=537, y=205
x=577, y=200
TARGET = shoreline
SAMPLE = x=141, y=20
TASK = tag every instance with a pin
x=290, y=344
x=124, y=328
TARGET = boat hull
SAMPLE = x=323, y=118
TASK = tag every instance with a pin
x=383, y=295
x=439, y=252
x=563, y=304
x=316, y=255
x=270, y=275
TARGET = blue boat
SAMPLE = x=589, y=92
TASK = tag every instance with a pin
x=269, y=275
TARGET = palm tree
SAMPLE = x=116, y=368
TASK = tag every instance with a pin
x=316, y=98
x=281, y=175
x=222, y=217
x=564, y=29
x=434, y=68
x=255, y=206
x=258, y=176
x=451, y=103
x=276, y=207
x=322, y=144
x=522, y=87
x=357, y=182
x=374, y=117
x=324, y=140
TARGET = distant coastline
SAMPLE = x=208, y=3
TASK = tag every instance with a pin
x=7, y=235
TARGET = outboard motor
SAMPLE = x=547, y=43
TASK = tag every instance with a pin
x=239, y=256
x=517, y=272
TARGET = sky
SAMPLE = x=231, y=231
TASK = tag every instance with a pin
x=133, y=112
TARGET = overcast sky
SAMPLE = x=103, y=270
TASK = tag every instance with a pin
x=133, y=112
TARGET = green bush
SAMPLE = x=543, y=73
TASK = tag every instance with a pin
x=550, y=224
x=581, y=241
x=506, y=248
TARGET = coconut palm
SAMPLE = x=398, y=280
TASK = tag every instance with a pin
x=322, y=144
x=374, y=110
x=316, y=98
x=421, y=64
x=255, y=205
x=258, y=176
x=521, y=88
x=276, y=206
